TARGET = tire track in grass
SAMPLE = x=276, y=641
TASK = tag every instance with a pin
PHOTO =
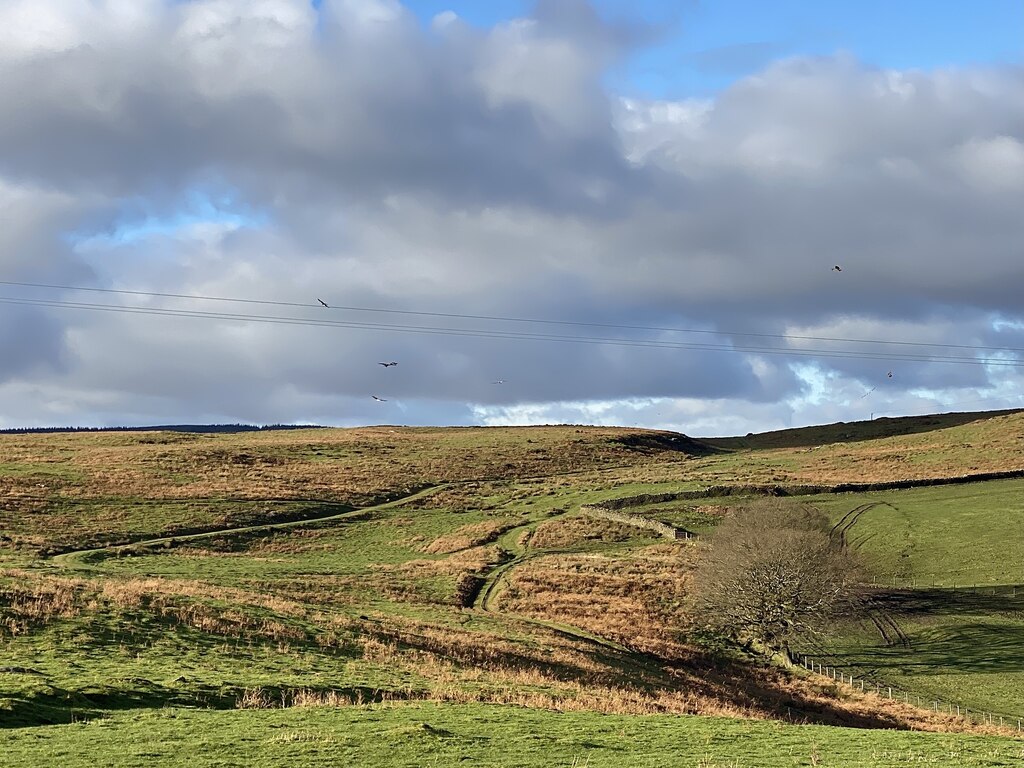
x=80, y=559
x=521, y=555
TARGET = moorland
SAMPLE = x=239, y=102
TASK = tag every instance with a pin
x=419, y=596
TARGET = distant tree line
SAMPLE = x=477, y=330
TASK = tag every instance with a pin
x=196, y=428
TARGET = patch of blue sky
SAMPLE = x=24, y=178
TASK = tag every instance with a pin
x=816, y=387
x=703, y=47
x=1008, y=324
x=137, y=221
x=987, y=396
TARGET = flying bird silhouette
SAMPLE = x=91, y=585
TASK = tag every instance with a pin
x=323, y=302
x=889, y=374
x=378, y=399
x=837, y=268
x=388, y=365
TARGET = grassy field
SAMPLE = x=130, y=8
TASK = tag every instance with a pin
x=158, y=584
x=944, y=645
x=940, y=642
x=926, y=637
x=943, y=536
x=66, y=491
x=426, y=735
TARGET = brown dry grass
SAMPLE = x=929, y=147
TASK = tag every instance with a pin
x=138, y=592
x=28, y=600
x=411, y=581
x=42, y=477
x=472, y=535
x=570, y=531
x=634, y=599
x=533, y=666
x=73, y=488
x=640, y=594
x=322, y=463
x=553, y=671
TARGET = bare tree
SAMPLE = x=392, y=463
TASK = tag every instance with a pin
x=774, y=571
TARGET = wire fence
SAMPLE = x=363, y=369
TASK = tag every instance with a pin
x=896, y=693
x=912, y=582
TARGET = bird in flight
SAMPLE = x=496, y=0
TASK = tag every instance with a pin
x=837, y=268
x=378, y=399
x=324, y=303
x=388, y=365
x=889, y=374
x=499, y=381
x=868, y=392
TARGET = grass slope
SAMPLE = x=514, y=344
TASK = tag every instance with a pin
x=939, y=642
x=418, y=735
x=402, y=565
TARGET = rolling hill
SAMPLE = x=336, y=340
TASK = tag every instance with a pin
x=403, y=595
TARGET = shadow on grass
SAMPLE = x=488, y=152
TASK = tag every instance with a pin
x=851, y=432
x=50, y=705
x=765, y=690
x=56, y=706
x=1007, y=599
x=746, y=686
x=943, y=631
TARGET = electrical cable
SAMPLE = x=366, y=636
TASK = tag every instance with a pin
x=506, y=334
x=510, y=319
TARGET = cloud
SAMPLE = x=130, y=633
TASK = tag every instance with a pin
x=281, y=152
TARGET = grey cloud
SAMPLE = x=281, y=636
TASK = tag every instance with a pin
x=489, y=172
x=357, y=111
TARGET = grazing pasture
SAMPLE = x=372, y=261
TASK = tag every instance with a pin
x=427, y=734
x=428, y=592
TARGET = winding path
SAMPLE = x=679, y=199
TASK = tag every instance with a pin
x=85, y=560
x=79, y=559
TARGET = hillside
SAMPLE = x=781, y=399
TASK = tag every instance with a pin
x=430, y=577
x=859, y=431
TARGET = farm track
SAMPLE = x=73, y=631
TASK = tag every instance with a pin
x=889, y=628
x=79, y=558
x=493, y=581
x=76, y=557
x=522, y=555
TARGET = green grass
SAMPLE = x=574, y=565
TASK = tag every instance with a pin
x=964, y=647
x=961, y=646
x=974, y=657
x=946, y=535
x=32, y=469
x=364, y=603
x=943, y=535
x=427, y=735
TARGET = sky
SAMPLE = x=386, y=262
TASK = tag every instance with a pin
x=599, y=212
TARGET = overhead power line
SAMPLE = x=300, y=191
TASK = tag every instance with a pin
x=512, y=319
x=508, y=334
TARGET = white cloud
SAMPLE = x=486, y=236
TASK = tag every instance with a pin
x=376, y=163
